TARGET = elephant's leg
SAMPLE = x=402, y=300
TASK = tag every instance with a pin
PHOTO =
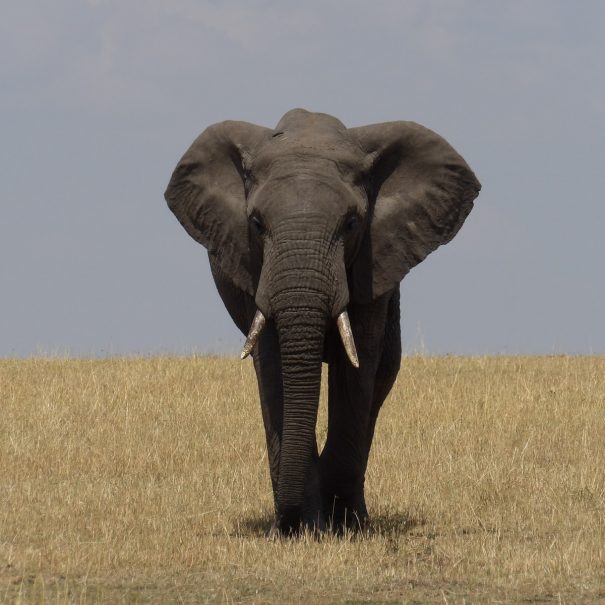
x=342, y=460
x=355, y=397
x=268, y=374
x=388, y=367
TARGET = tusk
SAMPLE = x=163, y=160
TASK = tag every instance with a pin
x=258, y=323
x=346, y=334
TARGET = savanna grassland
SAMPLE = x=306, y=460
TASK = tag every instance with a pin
x=145, y=481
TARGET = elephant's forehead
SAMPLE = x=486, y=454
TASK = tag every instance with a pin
x=307, y=189
x=307, y=165
x=319, y=153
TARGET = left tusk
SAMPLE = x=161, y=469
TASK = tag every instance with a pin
x=346, y=334
x=258, y=323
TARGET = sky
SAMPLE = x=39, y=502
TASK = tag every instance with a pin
x=99, y=99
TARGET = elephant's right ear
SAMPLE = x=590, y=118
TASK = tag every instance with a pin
x=207, y=195
x=422, y=192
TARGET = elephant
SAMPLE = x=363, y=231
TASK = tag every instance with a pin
x=310, y=228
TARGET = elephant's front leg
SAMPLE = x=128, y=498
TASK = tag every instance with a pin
x=355, y=398
x=268, y=374
x=343, y=459
x=267, y=363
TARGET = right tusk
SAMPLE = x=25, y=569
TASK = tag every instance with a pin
x=258, y=323
x=346, y=334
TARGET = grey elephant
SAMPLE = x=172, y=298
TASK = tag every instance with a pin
x=310, y=227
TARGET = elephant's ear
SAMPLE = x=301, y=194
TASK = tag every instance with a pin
x=207, y=195
x=422, y=191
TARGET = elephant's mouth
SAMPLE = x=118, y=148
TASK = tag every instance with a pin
x=344, y=329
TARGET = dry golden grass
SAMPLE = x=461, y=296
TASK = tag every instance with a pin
x=145, y=480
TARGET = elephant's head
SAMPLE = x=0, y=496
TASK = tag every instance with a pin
x=309, y=217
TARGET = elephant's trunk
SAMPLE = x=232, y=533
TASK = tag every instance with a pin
x=302, y=292
x=301, y=337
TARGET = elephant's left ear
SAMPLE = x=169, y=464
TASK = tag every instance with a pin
x=422, y=190
x=207, y=193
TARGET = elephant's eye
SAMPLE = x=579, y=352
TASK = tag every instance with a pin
x=351, y=223
x=257, y=225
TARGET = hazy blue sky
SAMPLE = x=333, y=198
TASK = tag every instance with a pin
x=99, y=99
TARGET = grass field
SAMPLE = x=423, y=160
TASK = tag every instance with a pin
x=146, y=481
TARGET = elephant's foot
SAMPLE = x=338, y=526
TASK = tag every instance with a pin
x=292, y=523
x=346, y=514
x=308, y=515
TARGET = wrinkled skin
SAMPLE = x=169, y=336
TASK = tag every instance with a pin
x=302, y=223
